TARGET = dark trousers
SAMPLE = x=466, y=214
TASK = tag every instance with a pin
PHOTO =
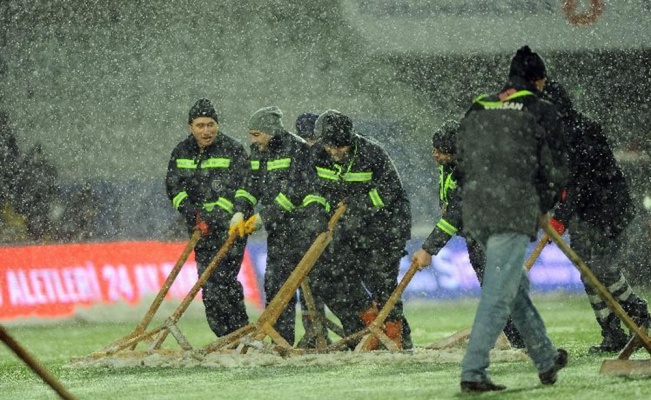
x=223, y=295
x=284, y=253
x=602, y=254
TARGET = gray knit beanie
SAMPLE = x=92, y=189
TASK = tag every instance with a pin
x=267, y=120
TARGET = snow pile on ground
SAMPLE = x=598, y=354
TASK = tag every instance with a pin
x=255, y=358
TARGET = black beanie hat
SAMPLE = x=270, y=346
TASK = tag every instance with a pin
x=556, y=93
x=202, y=108
x=445, y=138
x=528, y=65
x=305, y=125
x=336, y=130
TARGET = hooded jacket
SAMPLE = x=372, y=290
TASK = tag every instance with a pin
x=369, y=184
x=597, y=191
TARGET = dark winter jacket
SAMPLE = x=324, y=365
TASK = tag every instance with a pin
x=512, y=160
x=369, y=184
x=206, y=181
x=597, y=191
x=281, y=180
x=450, y=222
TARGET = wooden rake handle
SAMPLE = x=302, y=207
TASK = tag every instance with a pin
x=34, y=365
x=375, y=326
x=595, y=283
x=196, y=235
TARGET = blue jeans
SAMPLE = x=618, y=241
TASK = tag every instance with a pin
x=505, y=292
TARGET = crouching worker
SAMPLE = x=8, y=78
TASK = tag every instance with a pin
x=371, y=237
x=203, y=173
x=281, y=182
x=444, y=151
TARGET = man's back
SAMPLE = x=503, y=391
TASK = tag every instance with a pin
x=509, y=170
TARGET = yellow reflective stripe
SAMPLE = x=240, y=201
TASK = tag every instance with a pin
x=185, y=163
x=357, y=176
x=284, y=202
x=222, y=203
x=216, y=163
x=176, y=201
x=446, y=227
x=327, y=174
x=375, y=198
x=278, y=164
x=490, y=104
x=445, y=183
x=255, y=165
x=311, y=198
x=241, y=193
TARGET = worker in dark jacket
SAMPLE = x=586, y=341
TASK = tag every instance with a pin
x=371, y=237
x=281, y=182
x=444, y=150
x=598, y=209
x=204, y=172
x=511, y=156
x=305, y=129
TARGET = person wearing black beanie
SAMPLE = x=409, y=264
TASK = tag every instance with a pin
x=371, y=237
x=512, y=163
x=204, y=171
x=444, y=152
x=599, y=210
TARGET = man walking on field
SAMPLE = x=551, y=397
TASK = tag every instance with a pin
x=512, y=164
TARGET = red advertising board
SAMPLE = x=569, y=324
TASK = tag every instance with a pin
x=52, y=280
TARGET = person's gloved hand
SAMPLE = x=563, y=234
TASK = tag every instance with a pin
x=557, y=225
x=201, y=224
x=422, y=258
x=254, y=223
x=237, y=224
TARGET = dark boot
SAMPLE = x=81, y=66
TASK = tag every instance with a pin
x=513, y=335
x=560, y=361
x=637, y=309
x=407, y=344
x=614, y=338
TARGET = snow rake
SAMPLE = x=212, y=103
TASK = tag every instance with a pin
x=156, y=336
x=622, y=365
x=155, y=305
x=34, y=365
x=253, y=334
x=374, y=329
x=319, y=321
x=460, y=336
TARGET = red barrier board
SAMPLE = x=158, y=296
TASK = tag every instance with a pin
x=50, y=281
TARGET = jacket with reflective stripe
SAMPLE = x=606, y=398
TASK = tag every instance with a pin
x=279, y=178
x=450, y=222
x=207, y=179
x=370, y=185
x=512, y=159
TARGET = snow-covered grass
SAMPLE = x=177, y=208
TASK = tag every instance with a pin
x=569, y=320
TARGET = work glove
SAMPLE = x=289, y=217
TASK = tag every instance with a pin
x=201, y=224
x=254, y=223
x=237, y=224
x=557, y=225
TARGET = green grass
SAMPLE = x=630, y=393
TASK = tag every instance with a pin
x=569, y=320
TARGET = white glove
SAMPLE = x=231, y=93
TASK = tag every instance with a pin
x=236, y=219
